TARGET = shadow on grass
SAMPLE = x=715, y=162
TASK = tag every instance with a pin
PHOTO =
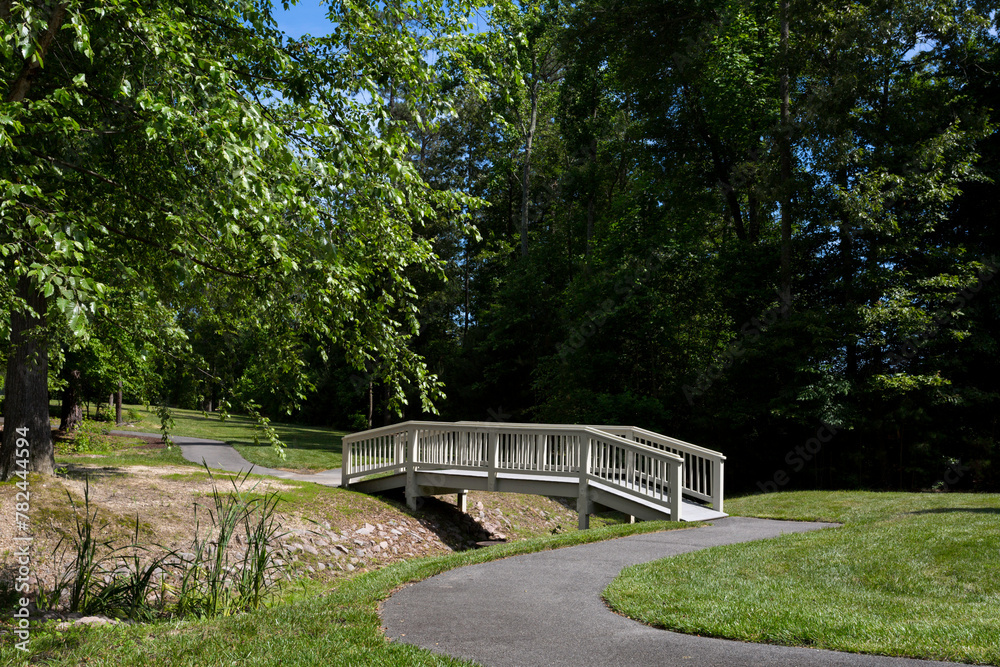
x=81, y=472
x=952, y=510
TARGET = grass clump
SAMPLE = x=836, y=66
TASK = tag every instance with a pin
x=210, y=579
x=907, y=575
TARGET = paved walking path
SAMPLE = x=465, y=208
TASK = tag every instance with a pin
x=545, y=609
x=221, y=456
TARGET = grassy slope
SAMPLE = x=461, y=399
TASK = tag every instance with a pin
x=908, y=574
x=341, y=627
x=307, y=447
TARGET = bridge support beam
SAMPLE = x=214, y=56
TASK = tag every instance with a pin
x=462, y=500
x=584, y=508
x=412, y=490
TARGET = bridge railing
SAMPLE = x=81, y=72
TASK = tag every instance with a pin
x=582, y=452
x=704, y=469
x=703, y=476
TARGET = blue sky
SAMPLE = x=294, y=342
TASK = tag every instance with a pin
x=308, y=16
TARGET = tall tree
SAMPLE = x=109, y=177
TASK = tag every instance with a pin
x=196, y=141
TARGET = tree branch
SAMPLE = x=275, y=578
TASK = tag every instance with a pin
x=19, y=89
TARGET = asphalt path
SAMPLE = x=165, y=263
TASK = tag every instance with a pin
x=545, y=609
x=221, y=456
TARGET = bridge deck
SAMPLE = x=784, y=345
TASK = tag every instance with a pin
x=441, y=482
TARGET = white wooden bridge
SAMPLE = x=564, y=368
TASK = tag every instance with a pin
x=644, y=474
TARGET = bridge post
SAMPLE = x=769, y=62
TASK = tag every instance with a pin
x=345, y=464
x=463, y=500
x=584, y=505
x=718, y=470
x=412, y=490
x=674, y=483
x=494, y=462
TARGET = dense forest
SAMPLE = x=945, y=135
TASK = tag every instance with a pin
x=768, y=228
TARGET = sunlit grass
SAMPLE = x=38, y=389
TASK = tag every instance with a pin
x=306, y=447
x=908, y=574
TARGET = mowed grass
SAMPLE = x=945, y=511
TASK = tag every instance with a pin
x=316, y=627
x=907, y=575
x=306, y=447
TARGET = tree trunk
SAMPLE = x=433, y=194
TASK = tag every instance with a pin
x=369, y=413
x=525, y=187
x=592, y=197
x=26, y=387
x=529, y=138
x=784, y=141
x=71, y=415
x=847, y=276
x=118, y=405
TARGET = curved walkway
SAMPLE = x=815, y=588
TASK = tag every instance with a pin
x=545, y=609
x=222, y=456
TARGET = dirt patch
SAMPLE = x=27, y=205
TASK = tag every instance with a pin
x=326, y=533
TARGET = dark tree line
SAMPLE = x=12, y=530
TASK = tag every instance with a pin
x=769, y=228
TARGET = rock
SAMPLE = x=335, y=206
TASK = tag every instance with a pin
x=368, y=529
x=310, y=549
x=349, y=567
x=88, y=620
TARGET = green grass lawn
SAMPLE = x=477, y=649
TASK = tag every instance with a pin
x=908, y=574
x=306, y=447
x=311, y=627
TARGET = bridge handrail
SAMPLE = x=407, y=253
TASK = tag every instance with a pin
x=645, y=471
x=704, y=469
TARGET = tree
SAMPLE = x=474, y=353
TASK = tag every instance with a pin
x=186, y=144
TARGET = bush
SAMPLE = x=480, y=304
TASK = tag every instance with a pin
x=90, y=438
